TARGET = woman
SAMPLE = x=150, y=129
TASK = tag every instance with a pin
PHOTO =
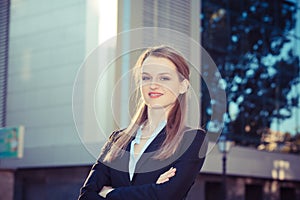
x=156, y=156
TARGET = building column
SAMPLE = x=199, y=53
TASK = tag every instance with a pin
x=6, y=184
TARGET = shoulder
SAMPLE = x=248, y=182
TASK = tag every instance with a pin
x=194, y=142
x=188, y=129
x=115, y=135
x=195, y=133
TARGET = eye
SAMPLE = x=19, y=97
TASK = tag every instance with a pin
x=165, y=78
x=145, y=78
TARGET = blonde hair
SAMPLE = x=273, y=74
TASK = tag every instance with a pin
x=176, y=117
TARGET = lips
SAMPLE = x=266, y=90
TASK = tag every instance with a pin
x=154, y=94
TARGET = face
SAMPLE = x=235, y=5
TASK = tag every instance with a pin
x=160, y=83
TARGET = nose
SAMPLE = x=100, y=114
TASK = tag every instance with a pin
x=153, y=85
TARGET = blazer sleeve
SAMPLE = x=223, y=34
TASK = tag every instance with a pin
x=98, y=177
x=187, y=168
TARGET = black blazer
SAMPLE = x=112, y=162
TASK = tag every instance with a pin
x=188, y=160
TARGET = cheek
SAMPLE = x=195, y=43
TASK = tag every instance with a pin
x=173, y=90
x=143, y=89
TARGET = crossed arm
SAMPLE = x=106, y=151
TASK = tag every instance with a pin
x=161, y=179
x=167, y=186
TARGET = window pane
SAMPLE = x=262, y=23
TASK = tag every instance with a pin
x=287, y=193
x=253, y=192
x=213, y=191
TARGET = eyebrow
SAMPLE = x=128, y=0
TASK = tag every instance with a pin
x=163, y=73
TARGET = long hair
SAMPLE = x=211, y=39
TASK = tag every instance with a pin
x=175, y=119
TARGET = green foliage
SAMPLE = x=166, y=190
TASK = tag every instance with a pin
x=250, y=43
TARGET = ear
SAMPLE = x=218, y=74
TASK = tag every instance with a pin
x=184, y=86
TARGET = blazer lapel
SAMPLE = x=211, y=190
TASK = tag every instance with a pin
x=146, y=163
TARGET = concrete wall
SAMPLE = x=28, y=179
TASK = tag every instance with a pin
x=249, y=162
x=48, y=42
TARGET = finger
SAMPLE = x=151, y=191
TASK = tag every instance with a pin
x=165, y=177
x=162, y=180
x=170, y=171
x=170, y=175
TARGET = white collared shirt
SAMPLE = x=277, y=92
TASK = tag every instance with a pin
x=134, y=159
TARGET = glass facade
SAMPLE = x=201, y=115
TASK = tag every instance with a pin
x=255, y=45
x=4, y=35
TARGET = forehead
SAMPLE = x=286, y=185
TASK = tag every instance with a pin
x=158, y=65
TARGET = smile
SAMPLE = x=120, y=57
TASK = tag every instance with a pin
x=155, y=94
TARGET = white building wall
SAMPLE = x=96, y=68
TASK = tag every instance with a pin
x=48, y=42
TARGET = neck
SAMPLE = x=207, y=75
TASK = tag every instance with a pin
x=155, y=117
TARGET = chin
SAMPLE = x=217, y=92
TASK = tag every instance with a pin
x=155, y=106
x=159, y=106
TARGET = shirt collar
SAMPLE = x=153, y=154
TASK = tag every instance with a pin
x=138, y=136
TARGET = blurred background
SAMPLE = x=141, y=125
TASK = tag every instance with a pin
x=254, y=43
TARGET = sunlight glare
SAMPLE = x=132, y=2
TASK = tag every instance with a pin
x=108, y=14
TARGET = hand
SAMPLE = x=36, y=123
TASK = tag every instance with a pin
x=105, y=190
x=166, y=176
